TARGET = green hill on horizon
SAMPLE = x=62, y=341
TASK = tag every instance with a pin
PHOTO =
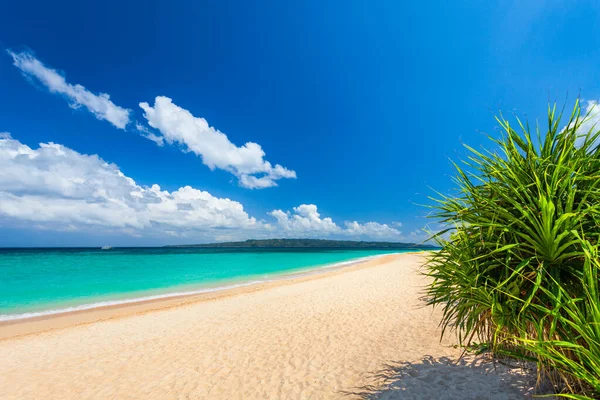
x=311, y=243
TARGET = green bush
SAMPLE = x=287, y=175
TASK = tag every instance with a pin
x=524, y=229
x=567, y=338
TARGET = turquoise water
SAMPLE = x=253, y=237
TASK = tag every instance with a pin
x=41, y=281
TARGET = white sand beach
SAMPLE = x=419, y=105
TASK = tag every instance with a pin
x=357, y=332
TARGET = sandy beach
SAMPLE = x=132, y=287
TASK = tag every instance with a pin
x=357, y=332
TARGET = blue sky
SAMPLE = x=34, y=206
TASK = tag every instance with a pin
x=361, y=104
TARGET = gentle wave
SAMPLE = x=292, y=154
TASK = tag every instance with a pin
x=108, y=303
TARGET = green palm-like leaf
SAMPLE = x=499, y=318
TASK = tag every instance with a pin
x=520, y=268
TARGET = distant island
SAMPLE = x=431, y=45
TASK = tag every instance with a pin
x=311, y=243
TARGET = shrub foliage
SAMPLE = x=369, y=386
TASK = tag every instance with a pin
x=520, y=268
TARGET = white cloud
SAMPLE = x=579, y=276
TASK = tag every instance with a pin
x=247, y=163
x=60, y=188
x=175, y=125
x=55, y=188
x=591, y=123
x=371, y=229
x=305, y=221
x=98, y=104
x=145, y=132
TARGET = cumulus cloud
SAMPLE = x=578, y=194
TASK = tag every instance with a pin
x=59, y=188
x=178, y=126
x=98, y=104
x=305, y=221
x=591, y=123
x=53, y=187
x=371, y=229
x=174, y=125
x=145, y=132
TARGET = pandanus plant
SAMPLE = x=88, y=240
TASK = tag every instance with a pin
x=523, y=231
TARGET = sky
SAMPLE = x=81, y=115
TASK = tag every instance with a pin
x=148, y=123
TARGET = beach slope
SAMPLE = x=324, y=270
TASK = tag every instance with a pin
x=331, y=335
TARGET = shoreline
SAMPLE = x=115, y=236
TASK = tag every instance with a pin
x=359, y=331
x=185, y=290
x=36, y=322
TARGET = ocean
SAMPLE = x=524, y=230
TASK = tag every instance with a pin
x=36, y=282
